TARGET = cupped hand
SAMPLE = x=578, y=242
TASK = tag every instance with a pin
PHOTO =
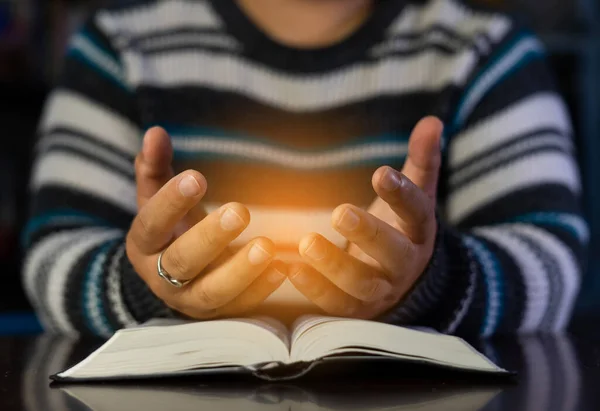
x=195, y=245
x=391, y=243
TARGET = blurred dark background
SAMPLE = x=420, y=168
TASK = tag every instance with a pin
x=33, y=37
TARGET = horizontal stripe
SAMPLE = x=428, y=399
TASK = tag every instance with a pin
x=180, y=30
x=572, y=223
x=57, y=218
x=408, y=46
x=185, y=40
x=420, y=36
x=544, y=197
x=517, y=55
x=544, y=168
x=552, y=136
x=305, y=147
x=428, y=71
x=435, y=29
x=75, y=137
x=66, y=109
x=68, y=171
x=533, y=79
x=159, y=16
x=539, y=111
x=193, y=107
x=65, y=142
x=503, y=158
x=79, y=78
x=56, y=197
x=232, y=148
x=452, y=15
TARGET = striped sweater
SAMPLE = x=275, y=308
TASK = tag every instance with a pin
x=292, y=133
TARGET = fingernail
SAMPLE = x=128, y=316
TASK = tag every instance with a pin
x=391, y=180
x=316, y=249
x=275, y=277
x=348, y=220
x=230, y=220
x=258, y=255
x=188, y=186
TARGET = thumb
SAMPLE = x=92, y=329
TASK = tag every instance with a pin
x=153, y=164
x=422, y=165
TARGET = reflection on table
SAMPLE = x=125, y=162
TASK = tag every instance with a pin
x=549, y=380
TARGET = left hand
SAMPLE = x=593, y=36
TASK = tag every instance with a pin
x=392, y=242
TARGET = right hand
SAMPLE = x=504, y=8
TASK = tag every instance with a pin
x=170, y=218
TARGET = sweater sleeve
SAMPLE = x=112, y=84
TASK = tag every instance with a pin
x=76, y=272
x=512, y=240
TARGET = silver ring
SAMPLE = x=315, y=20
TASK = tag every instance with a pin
x=162, y=273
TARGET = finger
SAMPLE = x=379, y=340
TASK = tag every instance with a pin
x=376, y=238
x=323, y=293
x=153, y=226
x=260, y=289
x=348, y=273
x=187, y=256
x=416, y=211
x=153, y=164
x=422, y=165
x=226, y=282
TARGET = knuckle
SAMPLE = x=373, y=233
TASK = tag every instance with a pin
x=207, y=299
x=207, y=239
x=335, y=265
x=146, y=227
x=177, y=264
x=371, y=290
x=373, y=234
x=175, y=206
x=318, y=292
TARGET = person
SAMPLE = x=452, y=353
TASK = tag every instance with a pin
x=402, y=161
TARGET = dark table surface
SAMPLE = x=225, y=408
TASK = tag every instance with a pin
x=555, y=373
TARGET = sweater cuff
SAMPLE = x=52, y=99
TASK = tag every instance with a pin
x=430, y=303
x=140, y=300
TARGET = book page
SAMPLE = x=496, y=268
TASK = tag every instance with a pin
x=269, y=324
x=160, y=349
x=305, y=323
x=318, y=337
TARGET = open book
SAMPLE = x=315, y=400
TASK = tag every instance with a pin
x=265, y=348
